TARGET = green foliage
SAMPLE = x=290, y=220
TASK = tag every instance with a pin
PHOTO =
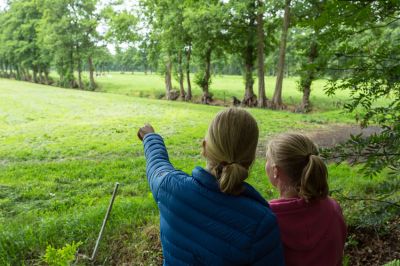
x=393, y=263
x=205, y=23
x=42, y=34
x=19, y=37
x=61, y=257
x=122, y=26
x=68, y=30
x=367, y=53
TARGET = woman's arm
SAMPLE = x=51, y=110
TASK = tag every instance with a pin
x=157, y=161
x=267, y=249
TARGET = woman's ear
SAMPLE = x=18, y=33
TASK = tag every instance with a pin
x=203, y=151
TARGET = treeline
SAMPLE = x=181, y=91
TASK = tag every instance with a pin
x=39, y=35
x=307, y=38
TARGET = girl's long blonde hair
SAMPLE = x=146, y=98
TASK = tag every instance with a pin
x=298, y=157
x=230, y=148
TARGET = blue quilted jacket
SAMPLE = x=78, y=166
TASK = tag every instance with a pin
x=200, y=225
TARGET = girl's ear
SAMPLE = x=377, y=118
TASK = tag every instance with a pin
x=276, y=171
x=203, y=152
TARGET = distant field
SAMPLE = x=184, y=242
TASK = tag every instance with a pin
x=223, y=87
x=62, y=150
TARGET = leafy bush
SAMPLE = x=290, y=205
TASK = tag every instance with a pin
x=61, y=257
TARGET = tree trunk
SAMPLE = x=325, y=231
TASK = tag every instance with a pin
x=181, y=76
x=308, y=78
x=168, y=83
x=79, y=68
x=41, y=81
x=277, y=98
x=262, y=99
x=189, y=86
x=46, y=77
x=71, y=76
x=22, y=74
x=206, y=98
x=80, y=83
x=35, y=72
x=5, y=69
x=18, y=73
x=92, y=83
x=250, y=98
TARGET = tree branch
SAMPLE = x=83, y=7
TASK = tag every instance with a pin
x=363, y=155
x=366, y=199
x=380, y=26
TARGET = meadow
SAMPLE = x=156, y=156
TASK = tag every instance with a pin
x=62, y=150
x=222, y=87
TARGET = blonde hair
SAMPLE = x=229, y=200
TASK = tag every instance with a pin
x=298, y=157
x=230, y=148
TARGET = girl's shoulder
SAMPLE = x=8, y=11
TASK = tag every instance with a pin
x=278, y=205
x=335, y=204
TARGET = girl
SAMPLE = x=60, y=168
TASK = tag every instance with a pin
x=213, y=217
x=312, y=226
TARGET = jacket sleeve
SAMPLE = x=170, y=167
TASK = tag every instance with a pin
x=157, y=162
x=267, y=249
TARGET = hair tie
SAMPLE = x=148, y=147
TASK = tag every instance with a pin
x=221, y=166
x=223, y=163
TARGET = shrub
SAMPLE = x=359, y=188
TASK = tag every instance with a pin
x=61, y=257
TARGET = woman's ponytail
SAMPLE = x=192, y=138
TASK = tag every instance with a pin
x=313, y=182
x=232, y=177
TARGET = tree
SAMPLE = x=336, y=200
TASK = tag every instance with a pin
x=188, y=52
x=103, y=61
x=68, y=30
x=85, y=21
x=243, y=16
x=204, y=21
x=311, y=17
x=21, y=50
x=165, y=20
x=56, y=34
x=277, y=97
x=123, y=30
x=262, y=99
x=368, y=50
x=141, y=58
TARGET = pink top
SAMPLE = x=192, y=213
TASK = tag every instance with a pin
x=312, y=233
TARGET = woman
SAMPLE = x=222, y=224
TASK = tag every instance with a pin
x=213, y=217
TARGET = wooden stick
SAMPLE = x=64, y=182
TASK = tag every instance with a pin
x=105, y=221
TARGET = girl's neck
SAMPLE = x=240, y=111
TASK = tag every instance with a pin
x=288, y=192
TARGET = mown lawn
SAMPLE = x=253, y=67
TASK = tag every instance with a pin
x=222, y=87
x=62, y=150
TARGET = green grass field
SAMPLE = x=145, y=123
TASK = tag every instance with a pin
x=152, y=86
x=62, y=150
